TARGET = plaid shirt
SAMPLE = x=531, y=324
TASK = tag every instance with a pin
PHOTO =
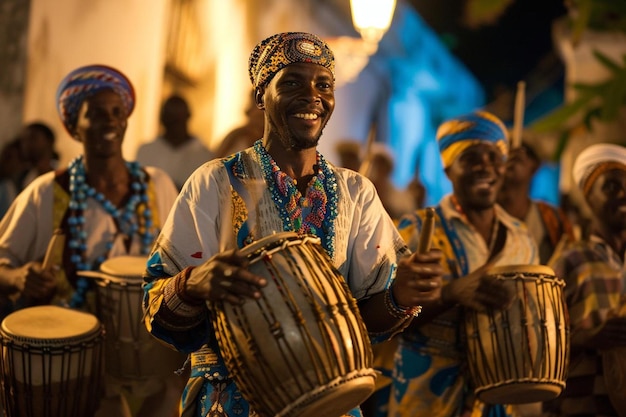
x=594, y=275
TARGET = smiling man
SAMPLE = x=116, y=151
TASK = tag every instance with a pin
x=471, y=230
x=105, y=206
x=593, y=270
x=279, y=184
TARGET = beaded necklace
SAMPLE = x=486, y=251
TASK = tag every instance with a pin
x=320, y=201
x=127, y=219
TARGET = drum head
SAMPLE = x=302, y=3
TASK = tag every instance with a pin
x=130, y=267
x=268, y=242
x=334, y=400
x=530, y=269
x=46, y=323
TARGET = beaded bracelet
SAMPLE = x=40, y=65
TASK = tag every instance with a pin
x=399, y=312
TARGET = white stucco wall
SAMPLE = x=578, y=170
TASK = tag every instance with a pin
x=126, y=34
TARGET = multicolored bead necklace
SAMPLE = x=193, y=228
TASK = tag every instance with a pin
x=128, y=221
x=320, y=201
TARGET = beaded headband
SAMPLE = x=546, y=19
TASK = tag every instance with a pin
x=276, y=52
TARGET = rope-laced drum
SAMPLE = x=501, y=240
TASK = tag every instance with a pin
x=301, y=349
x=131, y=353
x=51, y=362
x=519, y=355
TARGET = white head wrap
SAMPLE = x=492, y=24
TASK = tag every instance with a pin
x=594, y=156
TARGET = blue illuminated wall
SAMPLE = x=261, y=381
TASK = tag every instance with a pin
x=407, y=89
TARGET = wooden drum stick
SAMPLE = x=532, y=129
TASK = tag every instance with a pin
x=54, y=246
x=518, y=116
x=426, y=235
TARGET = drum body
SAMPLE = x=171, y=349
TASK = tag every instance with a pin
x=51, y=362
x=302, y=348
x=131, y=353
x=520, y=354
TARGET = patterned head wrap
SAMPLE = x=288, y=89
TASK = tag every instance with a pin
x=276, y=52
x=595, y=160
x=456, y=135
x=83, y=83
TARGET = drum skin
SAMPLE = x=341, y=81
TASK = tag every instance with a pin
x=520, y=354
x=302, y=348
x=51, y=365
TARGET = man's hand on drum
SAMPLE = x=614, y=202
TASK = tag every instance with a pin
x=418, y=279
x=35, y=283
x=224, y=277
x=478, y=291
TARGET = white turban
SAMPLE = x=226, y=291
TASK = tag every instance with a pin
x=601, y=154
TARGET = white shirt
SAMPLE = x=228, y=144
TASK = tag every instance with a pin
x=179, y=162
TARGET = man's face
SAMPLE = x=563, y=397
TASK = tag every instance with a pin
x=102, y=123
x=298, y=103
x=477, y=175
x=175, y=113
x=35, y=145
x=520, y=167
x=607, y=199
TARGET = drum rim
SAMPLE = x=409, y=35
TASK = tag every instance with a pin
x=105, y=267
x=85, y=336
x=258, y=246
x=520, y=268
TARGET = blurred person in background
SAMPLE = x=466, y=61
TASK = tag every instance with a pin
x=13, y=167
x=37, y=142
x=176, y=151
x=243, y=136
x=547, y=223
x=595, y=291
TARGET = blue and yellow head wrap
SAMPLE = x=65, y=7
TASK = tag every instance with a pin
x=458, y=134
x=276, y=52
x=83, y=83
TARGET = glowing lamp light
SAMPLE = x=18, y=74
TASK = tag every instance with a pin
x=372, y=18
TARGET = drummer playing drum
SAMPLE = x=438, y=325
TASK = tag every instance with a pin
x=593, y=270
x=280, y=184
x=474, y=233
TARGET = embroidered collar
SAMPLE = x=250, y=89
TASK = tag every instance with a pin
x=314, y=213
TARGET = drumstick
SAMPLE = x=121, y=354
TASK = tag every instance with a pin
x=57, y=241
x=518, y=117
x=367, y=159
x=426, y=235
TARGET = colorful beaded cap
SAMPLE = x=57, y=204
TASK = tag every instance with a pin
x=276, y=52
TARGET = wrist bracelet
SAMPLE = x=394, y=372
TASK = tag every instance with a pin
x=399, y=312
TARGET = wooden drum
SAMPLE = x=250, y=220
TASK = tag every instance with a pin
x=131, y=353
x=301, y=349
x=51, y=362
x=519, y=355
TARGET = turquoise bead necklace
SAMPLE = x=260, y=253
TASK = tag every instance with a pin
x=127, y=219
